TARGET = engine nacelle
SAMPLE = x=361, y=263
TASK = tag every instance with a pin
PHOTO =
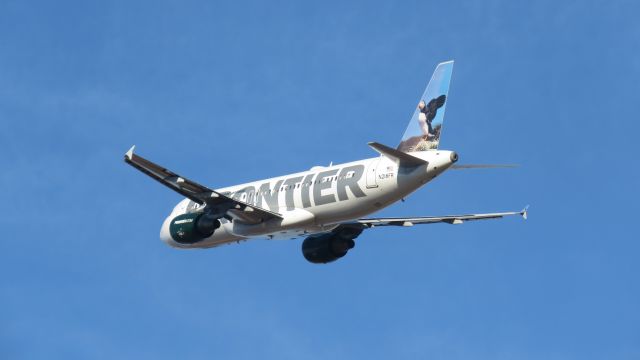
x=325, y=248
x=193, y=227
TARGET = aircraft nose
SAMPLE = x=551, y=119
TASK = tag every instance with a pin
x=165, y=236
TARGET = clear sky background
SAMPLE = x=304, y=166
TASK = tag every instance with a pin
x=230, y=92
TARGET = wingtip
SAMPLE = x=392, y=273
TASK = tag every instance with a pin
x=129, y=154
x=524, y=212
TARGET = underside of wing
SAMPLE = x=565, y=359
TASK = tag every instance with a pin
x=449, y=219
x=214, y=202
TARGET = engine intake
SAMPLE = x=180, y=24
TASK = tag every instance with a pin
x=193, y=227
x=325, y=248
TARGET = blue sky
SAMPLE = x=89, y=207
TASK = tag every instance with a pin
x=231, y=92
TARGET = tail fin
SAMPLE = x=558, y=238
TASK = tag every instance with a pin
x=425, y=127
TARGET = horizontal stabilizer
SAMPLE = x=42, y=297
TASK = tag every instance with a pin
x=401, y=158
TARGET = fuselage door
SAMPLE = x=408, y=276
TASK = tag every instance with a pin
x=371, y=174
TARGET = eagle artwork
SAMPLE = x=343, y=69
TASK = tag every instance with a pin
x=430, y=133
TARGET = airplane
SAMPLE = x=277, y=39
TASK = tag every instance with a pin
x=327, y=205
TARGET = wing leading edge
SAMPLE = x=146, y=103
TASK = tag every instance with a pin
x=215, y=202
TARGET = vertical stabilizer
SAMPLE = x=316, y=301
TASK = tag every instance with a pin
x=425, y=127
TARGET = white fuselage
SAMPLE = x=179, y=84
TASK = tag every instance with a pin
x=317, y=200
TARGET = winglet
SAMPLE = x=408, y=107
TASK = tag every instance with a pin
x=524, y=212
x=129, y=154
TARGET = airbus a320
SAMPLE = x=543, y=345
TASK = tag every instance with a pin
x=326, y=205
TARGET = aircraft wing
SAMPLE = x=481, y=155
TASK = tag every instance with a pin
x=213, y=200
x=353, y=229
x=449, y=219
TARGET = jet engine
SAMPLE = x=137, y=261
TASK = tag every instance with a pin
x=192, y=227
x=325, y=248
